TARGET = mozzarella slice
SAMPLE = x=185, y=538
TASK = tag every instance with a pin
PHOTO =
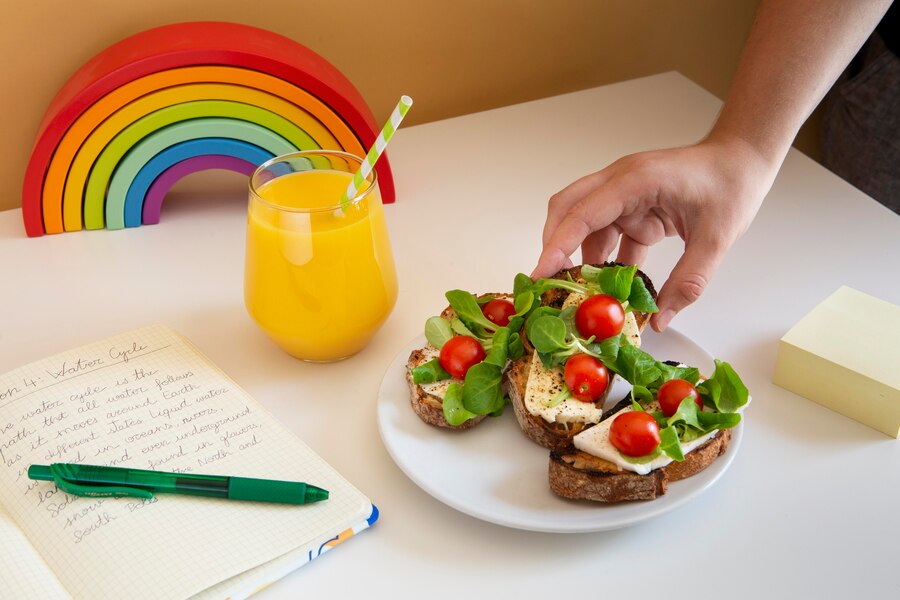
x=595, y=441
x=438, y=388
x=543, y=386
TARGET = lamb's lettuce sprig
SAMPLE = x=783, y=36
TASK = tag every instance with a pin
x=723, y=394
x=554, y=336
x=618, y=281
x=430, y=372
x=481, y=392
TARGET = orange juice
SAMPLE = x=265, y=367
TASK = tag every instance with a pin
x=319, y=281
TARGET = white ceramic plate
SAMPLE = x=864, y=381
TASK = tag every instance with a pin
x=494, y=473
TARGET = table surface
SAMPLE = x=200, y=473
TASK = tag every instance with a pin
x=810, y=503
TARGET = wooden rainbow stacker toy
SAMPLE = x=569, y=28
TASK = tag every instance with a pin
x=178, y=99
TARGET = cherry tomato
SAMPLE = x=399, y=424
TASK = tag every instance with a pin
x=459, y=353
x=635, y=433
x=672, y=392
x=586, y=377
x=601, y=316
x=499, y=311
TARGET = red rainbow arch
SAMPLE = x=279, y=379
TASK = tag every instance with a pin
x=267, y=79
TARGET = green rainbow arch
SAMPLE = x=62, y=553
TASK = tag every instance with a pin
x=95, y=194
x=81, y=145
x=227, y=87
x=144, y=151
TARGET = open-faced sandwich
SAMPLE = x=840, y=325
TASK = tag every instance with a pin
x=554, y=346
x=671, y=426
x=559, y=385
x=457, y=379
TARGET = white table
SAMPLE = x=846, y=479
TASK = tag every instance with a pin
x=808, y=509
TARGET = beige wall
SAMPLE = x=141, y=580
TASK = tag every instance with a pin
x=452, y=57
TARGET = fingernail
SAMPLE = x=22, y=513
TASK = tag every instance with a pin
x=664, y=318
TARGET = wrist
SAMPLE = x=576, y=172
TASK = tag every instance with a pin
x=762, y=160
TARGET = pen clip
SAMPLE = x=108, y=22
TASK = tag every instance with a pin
x=71, y=486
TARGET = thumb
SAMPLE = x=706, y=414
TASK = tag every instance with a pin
x=689, y=278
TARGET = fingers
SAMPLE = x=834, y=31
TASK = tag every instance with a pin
x=562, y=201
x=597, y=246
x=631, y=251
x=592, y=214
x=689, y=278
x=563, y=241
x=585, y=213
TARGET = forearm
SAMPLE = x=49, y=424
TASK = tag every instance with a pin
x=794, y=53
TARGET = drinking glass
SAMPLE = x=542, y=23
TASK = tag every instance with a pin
x=319, y=277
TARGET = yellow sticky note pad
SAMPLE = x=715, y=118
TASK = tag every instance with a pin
x=845, y=355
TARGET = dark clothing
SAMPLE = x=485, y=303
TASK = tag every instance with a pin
x=889, y=29
x=861, y=137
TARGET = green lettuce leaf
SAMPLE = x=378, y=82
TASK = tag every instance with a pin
x=636, y=366
x=438, y=331
x=547, y=333
x=616, y=281
x=482, y=392
x=668, y=443
x=454, y=411
x=537, y=314
x=516, y=347
x=430, y=372
x=469, y=312
x=669, y=372
x=724, y=390
x=640, y=299
x=499, y=351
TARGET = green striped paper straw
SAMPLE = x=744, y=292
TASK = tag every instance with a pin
x=375, y=152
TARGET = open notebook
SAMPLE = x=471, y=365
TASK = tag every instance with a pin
x=149, y=399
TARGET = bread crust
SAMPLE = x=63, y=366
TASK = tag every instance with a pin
x=579, y=476
x=553, y=436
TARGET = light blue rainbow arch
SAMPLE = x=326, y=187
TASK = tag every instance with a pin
x=119, y=162
x=158, y=151
x=136, y=209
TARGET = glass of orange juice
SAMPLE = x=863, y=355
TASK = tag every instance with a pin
x=319, y=278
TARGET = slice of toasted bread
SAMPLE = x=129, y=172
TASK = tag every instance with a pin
x=578, y=475
x=581, y=476
x=553, y=436
x=429, y=407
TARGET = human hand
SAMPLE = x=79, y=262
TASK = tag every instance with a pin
x=708, y=194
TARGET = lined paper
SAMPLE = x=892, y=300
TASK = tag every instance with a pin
x=149, y=399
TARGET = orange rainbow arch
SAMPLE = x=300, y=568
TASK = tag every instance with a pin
x=179, y=98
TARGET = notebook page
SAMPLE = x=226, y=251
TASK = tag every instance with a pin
x=23, y=573
x=148, y=399
x=248, y=583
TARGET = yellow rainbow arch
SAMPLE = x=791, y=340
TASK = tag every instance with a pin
x=83, y=142
x=178, y=98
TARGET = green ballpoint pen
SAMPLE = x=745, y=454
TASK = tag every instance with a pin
x=99, y=481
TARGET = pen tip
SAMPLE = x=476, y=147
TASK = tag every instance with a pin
x=315, y=494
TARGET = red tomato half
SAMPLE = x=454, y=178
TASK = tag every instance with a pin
x=586, y=377
x=601, y=316
x=459, y=353
x=635, y=433
x=499, y=311
x=672, y=392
